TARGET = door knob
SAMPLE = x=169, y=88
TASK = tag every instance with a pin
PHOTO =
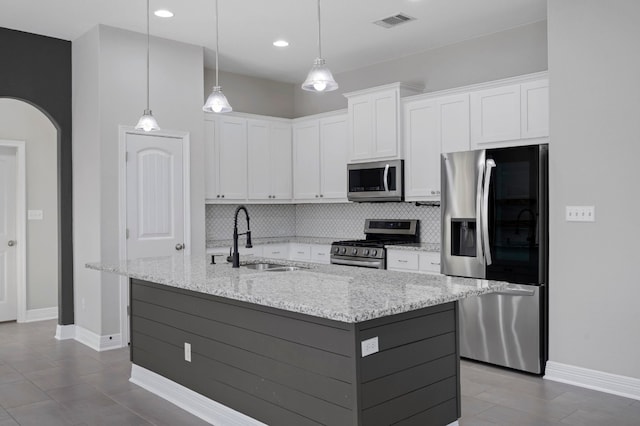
x=11, y=243
x=179, y=247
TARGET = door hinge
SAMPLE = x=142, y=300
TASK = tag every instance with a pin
x=128, y=310
x=126, y=232
x=126, y=156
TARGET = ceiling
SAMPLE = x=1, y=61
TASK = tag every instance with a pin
x=249, y=27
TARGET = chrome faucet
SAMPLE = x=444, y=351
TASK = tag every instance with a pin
x=236, y=256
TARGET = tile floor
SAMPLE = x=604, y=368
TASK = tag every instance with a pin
x=45, y=382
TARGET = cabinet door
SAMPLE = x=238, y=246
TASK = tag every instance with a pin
x=280, y=172
x=210, y=163
x=333, y=158
x=495, y=115
x=385, y=120
x=454, y=123
x=276, y=251
x=306, y=161
x=320, y=253
x=422, y=149
x=299, y=251
x=535, y=109
x=259, y=184
x=361, y=129
x=400, y=260
x=232, y=158
x=430, y=262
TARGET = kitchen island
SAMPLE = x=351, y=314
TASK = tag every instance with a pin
x=317, y=345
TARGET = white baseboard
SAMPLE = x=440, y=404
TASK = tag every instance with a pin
x=196, y=404
x=97, y=342
x=629, y=387
x=32, y=315
x=65, y=332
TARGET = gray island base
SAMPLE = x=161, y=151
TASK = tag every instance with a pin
x=396, y=365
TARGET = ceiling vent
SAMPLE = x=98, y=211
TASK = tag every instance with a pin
x=395, y=20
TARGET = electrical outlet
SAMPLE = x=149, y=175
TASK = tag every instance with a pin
x=187, y=352
x=580, y=214
x=369, y=346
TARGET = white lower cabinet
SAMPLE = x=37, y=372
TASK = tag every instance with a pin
x=320, y=253
x=300, y=252
x=413, y=261
x=276, y=251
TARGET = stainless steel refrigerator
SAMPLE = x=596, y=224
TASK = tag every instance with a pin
x=495, y=226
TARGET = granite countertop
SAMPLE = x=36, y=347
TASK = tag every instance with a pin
x=212, y=245
x=342, y=293
x=216, y=244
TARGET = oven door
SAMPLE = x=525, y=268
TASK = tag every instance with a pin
x=375, y=181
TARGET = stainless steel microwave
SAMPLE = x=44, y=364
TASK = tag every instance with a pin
x=376, y=181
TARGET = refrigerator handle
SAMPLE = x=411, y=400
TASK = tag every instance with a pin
x=485, y=210
x=385, y=178
x=479, y=244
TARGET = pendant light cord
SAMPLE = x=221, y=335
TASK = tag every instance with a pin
x=319, y=33
x=147, y=54
x=217, y=43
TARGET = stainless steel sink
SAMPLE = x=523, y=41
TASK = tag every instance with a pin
x=271, y=267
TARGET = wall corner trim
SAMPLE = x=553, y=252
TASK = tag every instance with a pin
x=196, y=404
x=628, y=387
x=65, y=332
x=97, y=342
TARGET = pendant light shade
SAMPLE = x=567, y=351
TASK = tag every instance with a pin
x=147, y=122
x=319, y=78
x=217, y=102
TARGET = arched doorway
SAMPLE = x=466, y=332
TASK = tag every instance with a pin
x=37, y=286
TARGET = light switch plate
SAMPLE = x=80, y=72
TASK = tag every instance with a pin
x=35, y=214
x=580, y=214
x=369, y=346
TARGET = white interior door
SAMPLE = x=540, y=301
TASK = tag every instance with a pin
x=8, y=267
x=155, y=195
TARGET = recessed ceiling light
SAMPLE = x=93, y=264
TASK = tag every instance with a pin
x=281, y=43
x=163, y=13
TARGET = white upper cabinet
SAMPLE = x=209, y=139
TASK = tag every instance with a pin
x=306, y=160
x=432, y=126
x=534, y=98
x=269, y=160
x=320, y=159
x=374, y=122
x=495, y=115
x=226, y=158
x=333, y=157
x=510, y=115
x=422, y=148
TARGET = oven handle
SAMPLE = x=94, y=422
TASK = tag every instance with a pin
x=386, y=178
x=365, y=263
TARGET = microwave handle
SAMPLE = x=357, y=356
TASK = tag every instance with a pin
x=385, y=178
x=485, y=211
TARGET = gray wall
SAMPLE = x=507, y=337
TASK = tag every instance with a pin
x=21, y=121
x=109, y=91
x=594, y=69
x=253, y=95
x=518, y=51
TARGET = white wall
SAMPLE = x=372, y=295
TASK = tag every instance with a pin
x=22, y=121
x=594, y=69
x=114, y=61
x=518, y=51
x=253, y=95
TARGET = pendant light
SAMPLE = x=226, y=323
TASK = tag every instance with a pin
x=319, y=78
x=147, y=122
x=217, y=102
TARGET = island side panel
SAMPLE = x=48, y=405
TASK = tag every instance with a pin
x=414, y=377
x=275, y=366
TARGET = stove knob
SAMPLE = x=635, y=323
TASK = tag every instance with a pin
x=336, y=250
x=343, y=250
x=366, y=252
x=374, y=252
x=354, y=251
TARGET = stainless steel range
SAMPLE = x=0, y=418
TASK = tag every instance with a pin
x=370, y=252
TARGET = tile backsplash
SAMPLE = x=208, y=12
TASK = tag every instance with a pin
x=339, y=221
